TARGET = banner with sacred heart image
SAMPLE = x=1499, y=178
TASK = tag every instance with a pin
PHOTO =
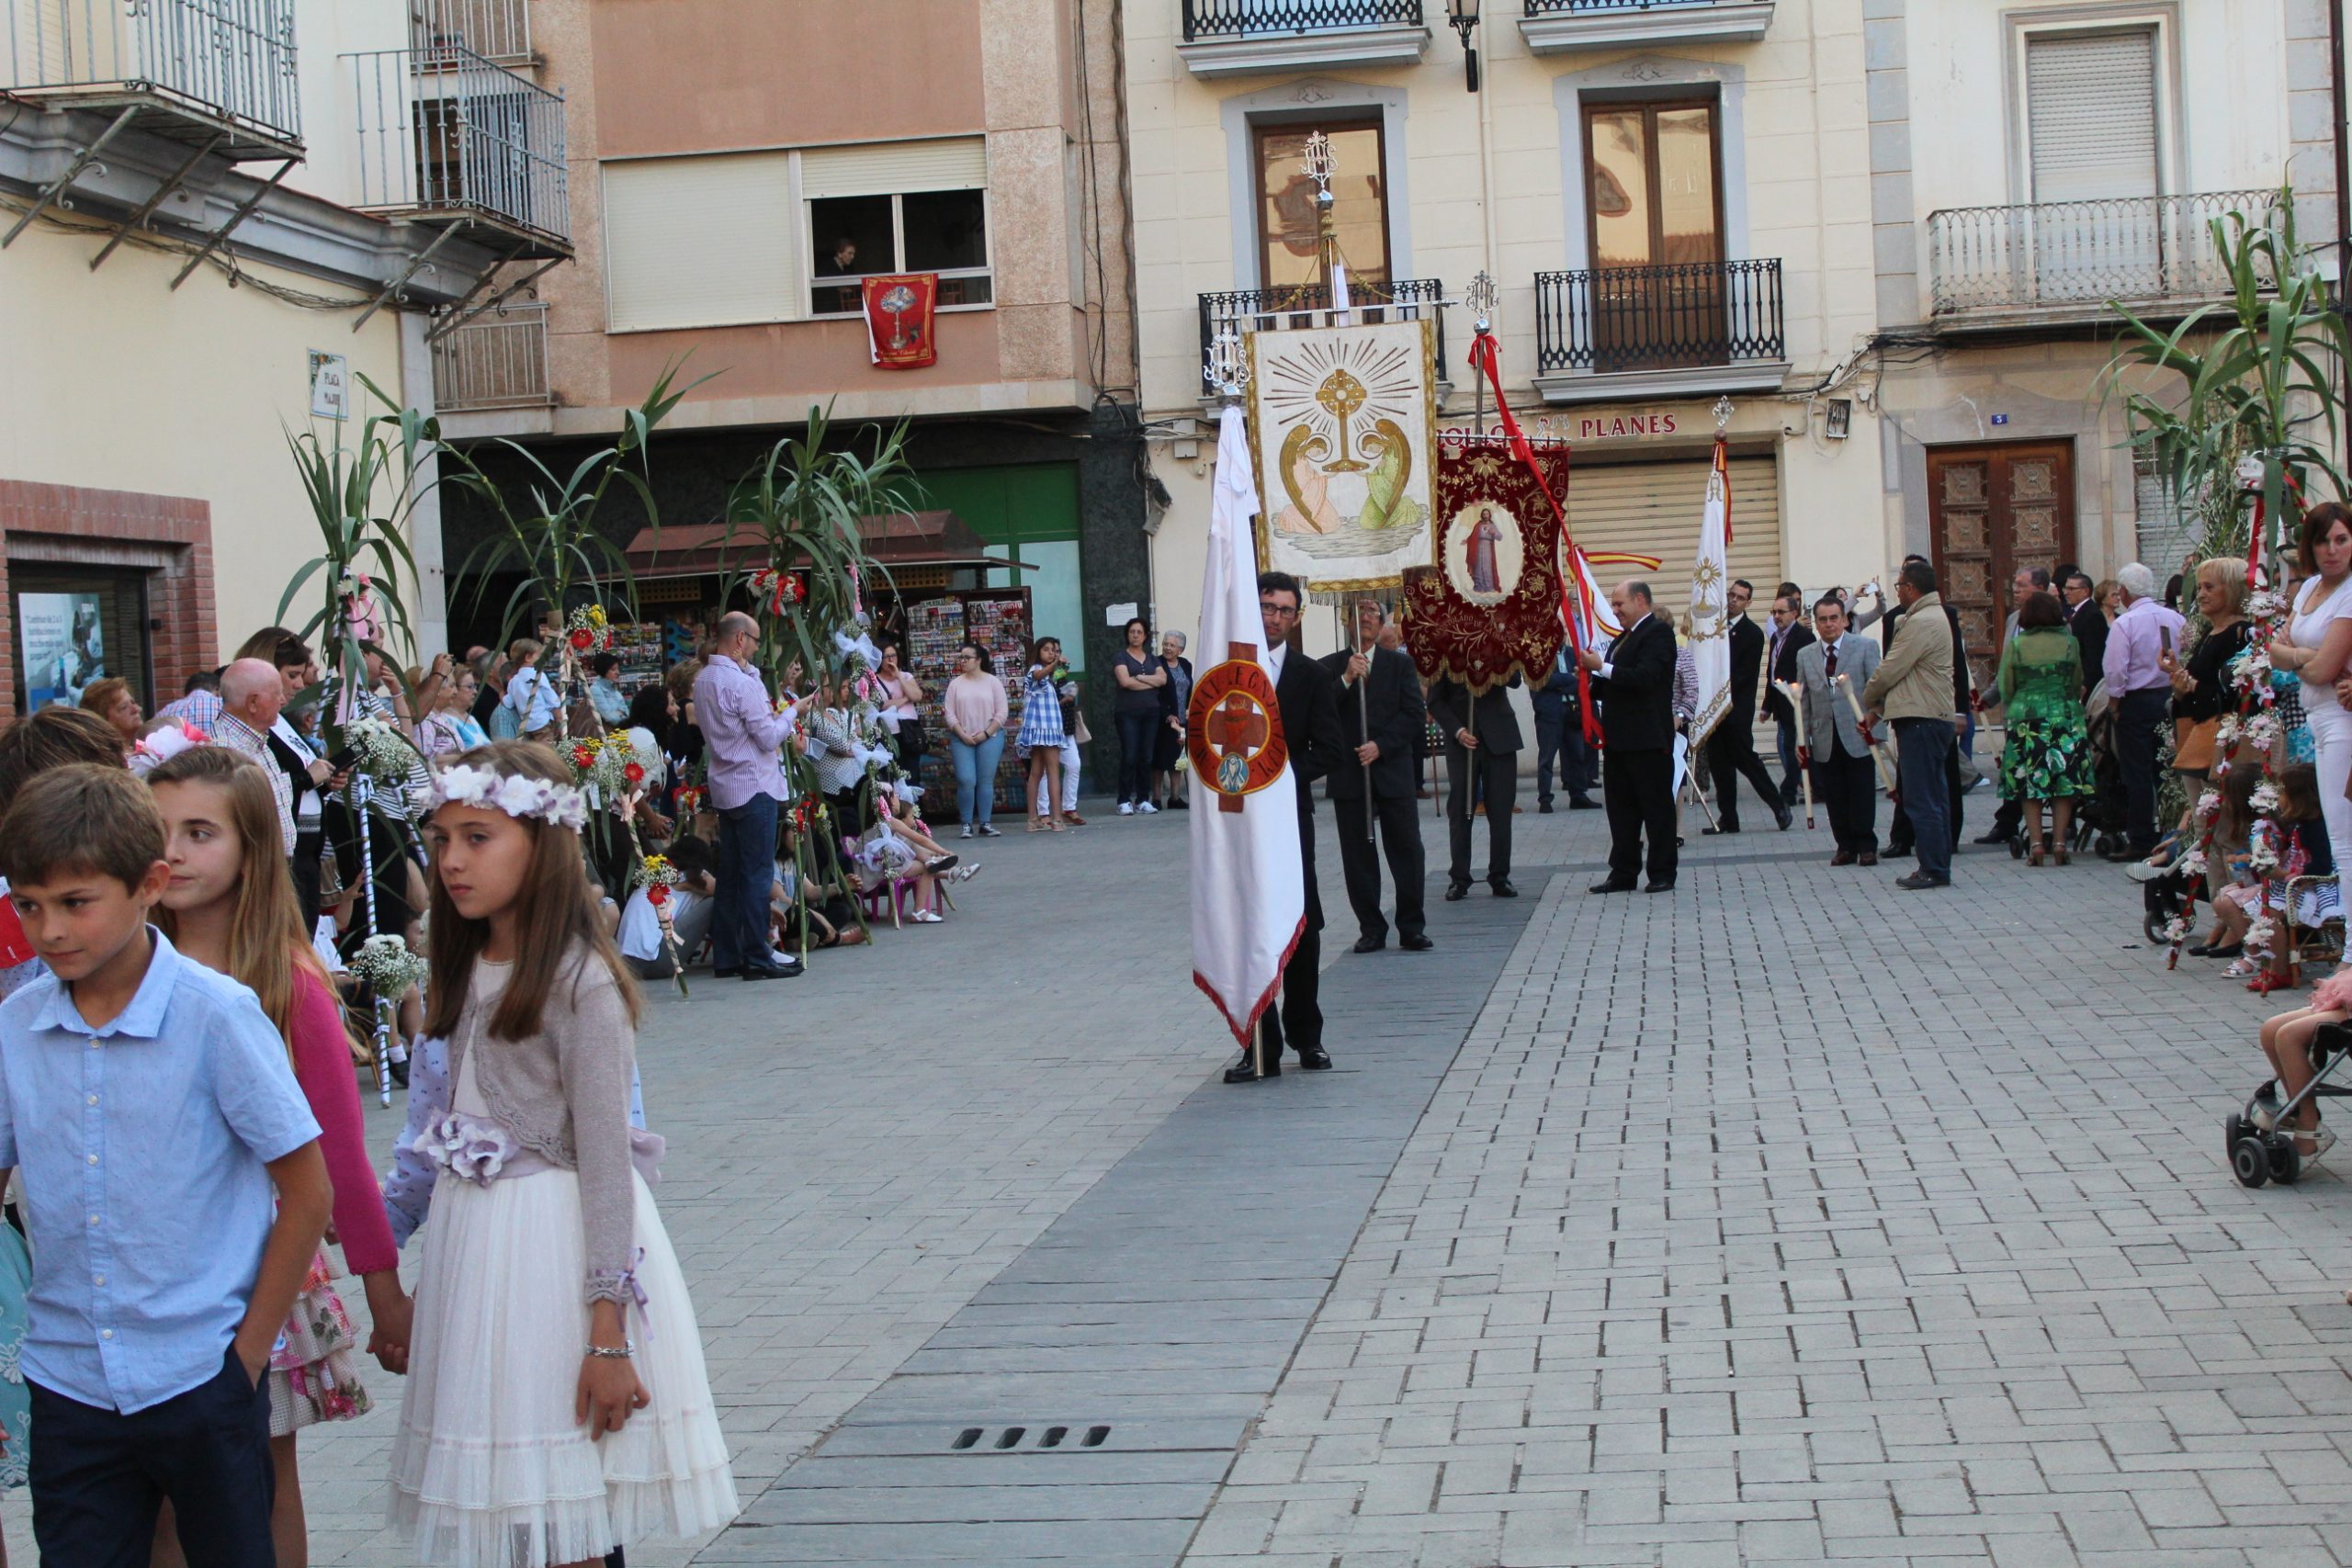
x=1343, y=425
x=1490, y=607
x=898, y=308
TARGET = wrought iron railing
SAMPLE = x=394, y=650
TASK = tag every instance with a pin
x=498, y=31
x=1301, y=305
x=1659, y=318
x=1558, y=8
x=2058, y=254
x=232, y=60
x=1254, y=19
x=450, y=133
x=498, y=360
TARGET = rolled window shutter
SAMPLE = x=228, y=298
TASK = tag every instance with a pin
x=890, y=168
x=701, y=241
x=2091, y=115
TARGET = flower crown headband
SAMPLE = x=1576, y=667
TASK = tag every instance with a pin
x=518, y=794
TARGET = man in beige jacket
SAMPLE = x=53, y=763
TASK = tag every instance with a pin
x=1912, y=690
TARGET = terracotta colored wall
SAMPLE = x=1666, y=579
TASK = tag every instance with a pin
x=173, y=534
x=811, y=359
x=688, y=76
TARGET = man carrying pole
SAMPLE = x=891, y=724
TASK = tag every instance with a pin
x=1381, y=715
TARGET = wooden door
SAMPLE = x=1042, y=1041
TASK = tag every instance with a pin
x=1653, y=182
x=1992, y=510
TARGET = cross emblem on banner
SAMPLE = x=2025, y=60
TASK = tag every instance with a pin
x=1235, y=728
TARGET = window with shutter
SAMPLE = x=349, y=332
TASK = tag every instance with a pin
x=700, y=242
x=898, y=207
x=2091, y=115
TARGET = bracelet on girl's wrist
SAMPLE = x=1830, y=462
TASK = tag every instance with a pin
x=621, y=1352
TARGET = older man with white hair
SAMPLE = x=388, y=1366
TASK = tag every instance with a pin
x=2144, y=632
x=251, y=695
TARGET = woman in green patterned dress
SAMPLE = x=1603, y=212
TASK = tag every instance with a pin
x=2047, y=757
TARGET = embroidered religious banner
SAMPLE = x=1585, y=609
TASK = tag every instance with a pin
x=1489, y=607
x=1343, y=425
x=898, y=308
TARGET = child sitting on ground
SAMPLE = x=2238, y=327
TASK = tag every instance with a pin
x=2226, y=858
x=2297, y=838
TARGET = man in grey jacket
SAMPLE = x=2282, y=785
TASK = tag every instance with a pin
x=1843, y=778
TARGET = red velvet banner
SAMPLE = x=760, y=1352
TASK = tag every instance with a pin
x=898, y=308
x=1490, y=607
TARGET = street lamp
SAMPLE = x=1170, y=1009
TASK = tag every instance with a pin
x=1464, y=15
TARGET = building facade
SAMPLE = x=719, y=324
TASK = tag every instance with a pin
x=1672, y=200
x=725, y=211
x=214, y=224
x=2029, y=165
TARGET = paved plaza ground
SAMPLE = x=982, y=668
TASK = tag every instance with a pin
x=1784, y=1219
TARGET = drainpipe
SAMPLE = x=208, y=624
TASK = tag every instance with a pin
x=2336, y=111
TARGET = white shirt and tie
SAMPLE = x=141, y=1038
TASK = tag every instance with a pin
x=1609, y=666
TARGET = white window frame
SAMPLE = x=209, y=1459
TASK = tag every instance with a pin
x=2162, y=20
x=897, y=250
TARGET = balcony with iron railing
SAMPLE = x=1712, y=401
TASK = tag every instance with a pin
x=447, y=138
x=1553, y=27
x=1233, y=38
x=498, y=31
x=1239, y=311
x=2061, y=263
x=1691, y=329
x=495, y=360
x=213, y=73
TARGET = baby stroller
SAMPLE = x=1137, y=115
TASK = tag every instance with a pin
x=2101, y=817
x=2260, y=1154
x=2168, y=893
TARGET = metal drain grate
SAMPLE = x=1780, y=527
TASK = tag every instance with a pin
x=976, y=1440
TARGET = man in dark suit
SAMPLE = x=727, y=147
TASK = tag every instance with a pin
x=1311, y=730
x=1635, y=689
x=1482, y=742
x=1790, y=634
x=1381, y=712
x=2090, y=625
x=1731, y=745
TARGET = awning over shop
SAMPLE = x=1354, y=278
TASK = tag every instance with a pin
x=899, y=540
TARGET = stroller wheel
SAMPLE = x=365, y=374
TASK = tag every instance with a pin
x=2017, y=846
x=2234, y=1127
x=2286, y=1165
x=2155, y=925
x=2249, y=1162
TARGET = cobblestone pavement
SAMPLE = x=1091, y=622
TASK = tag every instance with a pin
x=1786, y=1218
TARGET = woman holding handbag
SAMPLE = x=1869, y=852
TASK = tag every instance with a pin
x=2201, y=687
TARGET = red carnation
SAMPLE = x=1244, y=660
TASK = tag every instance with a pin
x=792, y=590
x=583, y=639
x=582, y=757
x=634, y=773
x=656, y=895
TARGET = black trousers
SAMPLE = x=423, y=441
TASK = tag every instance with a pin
x=1400, y=837
x=1846, y=787
x=1731, y=756
x=1497, y=780
x=308, y=847
x=2137, y=727
x=1637, y=788
x=1297, y=1018
x=99, y=1477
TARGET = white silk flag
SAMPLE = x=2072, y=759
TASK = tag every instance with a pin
x=1249, y=879
x=1710, y=582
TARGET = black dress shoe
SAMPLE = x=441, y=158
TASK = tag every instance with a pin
x=767, y=971
x=1611, y=885
x=1897, y=851
x=2202, y=950
x=1370, y=943
x=1843, y=857
x=1870, y=857
x=1543, y=807
x=1995, y=837
x=1919, y=882
x=1784, y=816
x=1712, y=832
x=1415, y=944
x=1456, y=891
x=1314, y=1059
x=1503, y=889
x=1243, y=1071
x=1658, y=884
x=1583, y=803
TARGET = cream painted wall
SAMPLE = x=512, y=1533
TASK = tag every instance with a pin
x=114, y=381
x=325, y=32
x=1806, y=189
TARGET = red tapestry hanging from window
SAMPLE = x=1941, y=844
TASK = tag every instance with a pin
x=898, y=308
x=1490, y=607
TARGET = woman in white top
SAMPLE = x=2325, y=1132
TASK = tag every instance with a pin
x=2317, y=645
x=900, y=697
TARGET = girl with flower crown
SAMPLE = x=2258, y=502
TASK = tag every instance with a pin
x=231, y=907
x=553, y=1327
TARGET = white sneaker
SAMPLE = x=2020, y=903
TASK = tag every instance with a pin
x=927, y=918
x=1147, y=808
x=1126, y=808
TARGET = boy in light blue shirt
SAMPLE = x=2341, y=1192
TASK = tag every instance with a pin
x=152, y=1107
